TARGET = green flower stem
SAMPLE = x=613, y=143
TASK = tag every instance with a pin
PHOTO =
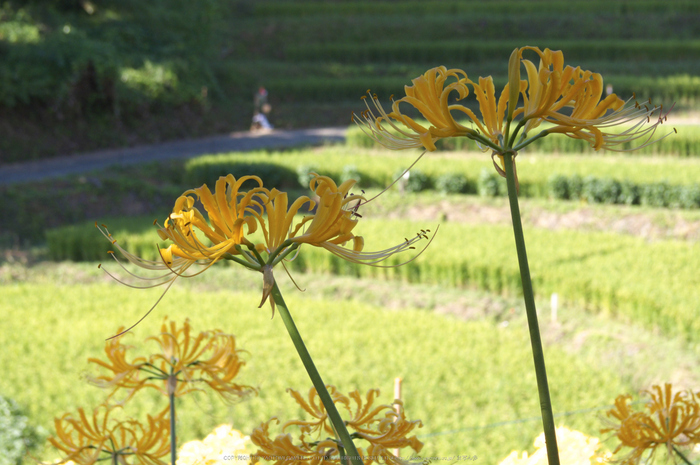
x=318, y=383
x=537, y=353
x=173, y=443
x=683, y=457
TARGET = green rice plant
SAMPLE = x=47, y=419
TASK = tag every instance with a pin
x=662, y=294
x=57, y=328
x=82, y=242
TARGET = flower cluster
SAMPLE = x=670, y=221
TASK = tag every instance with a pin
x=234, y=215
x=86, y=441
x=225, y=444
x=568, y=98
x=384, y=427
x=182, y=361
x=670, y=420
x=575, y=448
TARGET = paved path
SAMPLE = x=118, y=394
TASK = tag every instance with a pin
x=234, y=142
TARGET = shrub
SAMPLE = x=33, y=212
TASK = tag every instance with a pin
x=488, y=184
x=304, y=174
x=451, y=184
x=629, y=193
x=350, y=172
x=17, y=436
x=558, y=187
x=417, y=181
x=654, y=195
x=610, y=190
x=201, y=171
x=690, y=196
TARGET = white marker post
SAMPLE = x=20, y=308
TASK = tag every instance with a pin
x=397, y=396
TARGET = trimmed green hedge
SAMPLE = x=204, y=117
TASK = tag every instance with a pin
x=83, y=242
x=462, y=51
x=315, y=8
x=612, y=191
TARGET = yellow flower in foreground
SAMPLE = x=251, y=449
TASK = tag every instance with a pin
x=575, y=448
x=193, y=239
x=382, y=427
x=182, y=362
x=224, y=446
x=235, y=214
x=670, y=420
x=568, y=98
x=86, y=441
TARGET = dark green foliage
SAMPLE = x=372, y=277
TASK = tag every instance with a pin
x=83, y=242
x=350, y=172
x=490, y=184
x=629, y=193
x=272, y=175
x=453, y=183
x=655, y=194
x=304, y=174
x=17, y=436
x=112, y=64
x=558, y=187
x=613, y=191
x=689, y=197
x=417, y=180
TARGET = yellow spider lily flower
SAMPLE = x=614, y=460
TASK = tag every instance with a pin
x=671, y=420
x=330, y=227
x=568, y=98
x=382, y=426
x=234, y=214
x=86, y=441
x=182, y=362
x=226, y=209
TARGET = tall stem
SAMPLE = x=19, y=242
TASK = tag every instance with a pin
x=173, y=444
x=318, y=383
x=683, y=457
x=537, y=353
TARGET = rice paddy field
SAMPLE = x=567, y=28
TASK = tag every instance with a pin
x=613, y=239
x=451, y=324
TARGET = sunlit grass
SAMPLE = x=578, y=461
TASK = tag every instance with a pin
x=457, y=374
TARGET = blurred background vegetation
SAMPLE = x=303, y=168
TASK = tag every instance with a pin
x=78, y=75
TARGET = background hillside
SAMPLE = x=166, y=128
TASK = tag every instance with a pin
x=79, y=75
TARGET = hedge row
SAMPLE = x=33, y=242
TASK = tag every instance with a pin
x=315, y=8
x=461, y=51
x=441, y=170
x=83, y=242
x=684, y=143
x=528, y=28
x=655, y=284
x=612, y=191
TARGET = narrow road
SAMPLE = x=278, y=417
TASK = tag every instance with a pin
x=234, y=142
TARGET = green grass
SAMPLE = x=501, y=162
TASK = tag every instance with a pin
x=457, y=375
